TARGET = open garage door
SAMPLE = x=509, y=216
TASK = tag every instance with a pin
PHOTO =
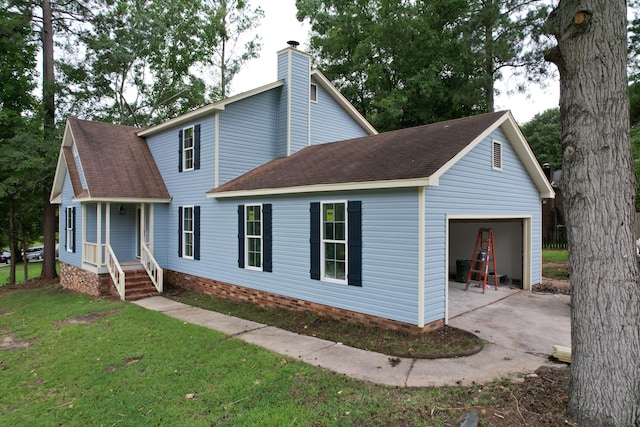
x=512, y=254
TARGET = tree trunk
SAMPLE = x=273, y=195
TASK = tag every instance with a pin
x=49, y=223
x=598, y=186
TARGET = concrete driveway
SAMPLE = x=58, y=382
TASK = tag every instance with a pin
x=515, y=319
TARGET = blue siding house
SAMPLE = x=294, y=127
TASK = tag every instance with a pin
x=285, y=195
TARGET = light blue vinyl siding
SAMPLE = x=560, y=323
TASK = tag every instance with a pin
x=123, y=231
x=281, y=105
x=161, y=231
x=293, y=131
x=73, y=258
x=299, y=86
x=91, y=220
x=247, y=135
x=330, y=122
x=389, y=269
x=471, y=187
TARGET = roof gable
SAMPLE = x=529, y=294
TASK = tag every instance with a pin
x=117, y=164
x=407, y=157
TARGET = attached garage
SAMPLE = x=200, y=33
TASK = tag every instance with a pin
x=511, y=252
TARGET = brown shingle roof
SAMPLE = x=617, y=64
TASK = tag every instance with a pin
x=115, y=161
x=416, y=152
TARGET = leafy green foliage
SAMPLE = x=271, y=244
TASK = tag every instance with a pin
x=17, y=50
x=140, y=62
x=410, y=63
x=544, y=136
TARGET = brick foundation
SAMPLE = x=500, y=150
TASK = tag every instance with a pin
x=268, y=299
x=86, y=282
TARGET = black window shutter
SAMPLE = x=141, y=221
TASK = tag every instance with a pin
x=180, y=232
x=241, y=236
x=66, y=224
x=315, y=240
x=196, y=232
x=267, y=258
x=196, y=147
x=73, y=218
x=180, y=151
x=354, y=209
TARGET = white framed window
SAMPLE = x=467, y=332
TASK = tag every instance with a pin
x=496, y=155
x=69, y=229
x=187, y=232
x=188, y=149
x=253, y=237
x=313, y=92
x=333, y=248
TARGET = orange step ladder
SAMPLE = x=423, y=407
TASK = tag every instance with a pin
x=483, y=254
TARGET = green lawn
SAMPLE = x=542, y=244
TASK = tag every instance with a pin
x=555, y=255
x=104, y=362
x=34, y=270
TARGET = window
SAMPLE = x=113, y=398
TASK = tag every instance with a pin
x=189, y=232
x=313, y=92
x=70, y=229
x=254, y=237
x=496, y=155
x=189, y=148
x=336, y=242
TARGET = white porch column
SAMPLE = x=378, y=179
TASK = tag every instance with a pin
x=143, y=223
x=151, y=228
x=83, y=209
x=100, y=257
x=107, y=227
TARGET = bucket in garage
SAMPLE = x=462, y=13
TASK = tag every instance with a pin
x=462, y=270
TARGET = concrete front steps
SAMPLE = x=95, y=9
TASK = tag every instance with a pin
x=138, y=285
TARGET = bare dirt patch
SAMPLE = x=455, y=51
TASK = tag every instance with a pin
x=86, y=319
x=10, y=343
x=539, y=401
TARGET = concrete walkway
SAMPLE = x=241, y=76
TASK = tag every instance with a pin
x=519, y=329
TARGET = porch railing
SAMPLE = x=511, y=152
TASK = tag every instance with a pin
x=93, y=253
x=151, y=265
x=115, y=270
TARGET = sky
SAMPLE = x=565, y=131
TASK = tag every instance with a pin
x=280, y=25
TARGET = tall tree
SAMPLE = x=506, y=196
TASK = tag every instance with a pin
x=17, y=109
x=231, y=21
x=400, y=63
x=543, y=135
x=142, y=62
x=505, y=34
x=404, y=63
x=48, y=98
x=133, y=63
x=598, y=184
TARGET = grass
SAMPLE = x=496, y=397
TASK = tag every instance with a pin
x=555, y=264
x=34, y=270
x=555, y=255
x=103, y=362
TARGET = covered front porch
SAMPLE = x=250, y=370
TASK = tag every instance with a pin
x=118, y=238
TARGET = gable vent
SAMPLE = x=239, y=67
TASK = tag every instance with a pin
x=496, y=155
